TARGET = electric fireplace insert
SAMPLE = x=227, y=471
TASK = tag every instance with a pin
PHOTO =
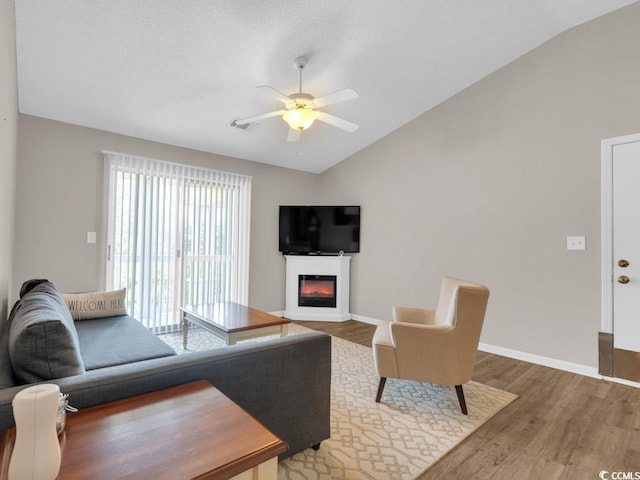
x=317, y=291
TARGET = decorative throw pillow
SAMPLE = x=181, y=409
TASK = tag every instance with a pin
x=84, y=306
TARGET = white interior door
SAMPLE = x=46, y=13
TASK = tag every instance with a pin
x=626, y=246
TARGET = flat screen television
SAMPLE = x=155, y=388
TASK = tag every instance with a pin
x=318, y=230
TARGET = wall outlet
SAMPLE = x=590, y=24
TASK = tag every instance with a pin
x=576, y=243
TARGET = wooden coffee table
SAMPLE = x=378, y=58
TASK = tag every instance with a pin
x=188, y=431
x=232, y=322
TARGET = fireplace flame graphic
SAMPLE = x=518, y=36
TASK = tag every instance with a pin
x=317, y=288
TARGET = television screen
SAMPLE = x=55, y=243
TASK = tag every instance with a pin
x=319, y=229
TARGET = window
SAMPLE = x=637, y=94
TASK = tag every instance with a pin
x=177, y=235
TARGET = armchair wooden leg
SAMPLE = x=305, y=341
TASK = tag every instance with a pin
x=463, y=404
x=383, y=380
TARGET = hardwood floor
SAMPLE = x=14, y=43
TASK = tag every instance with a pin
x=562, y=426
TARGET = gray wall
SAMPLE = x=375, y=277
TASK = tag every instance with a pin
x=8, y=145
x=487, y=185
x=59, y=199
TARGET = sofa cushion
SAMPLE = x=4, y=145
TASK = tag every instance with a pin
x=84, y=306
x=7, y=378
x=105, y=342
x=43, y=342
x=6, y=372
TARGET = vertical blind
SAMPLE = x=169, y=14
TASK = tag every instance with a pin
x=177, y=235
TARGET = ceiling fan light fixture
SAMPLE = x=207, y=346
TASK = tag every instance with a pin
x=300, y=118
x=301, y=108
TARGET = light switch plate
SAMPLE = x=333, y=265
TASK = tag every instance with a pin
x=91, y=237
x=576, y=243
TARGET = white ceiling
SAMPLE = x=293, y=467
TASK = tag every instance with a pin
x=179, y=72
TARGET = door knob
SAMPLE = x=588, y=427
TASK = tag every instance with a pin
x=623, y=263
x=623, y=279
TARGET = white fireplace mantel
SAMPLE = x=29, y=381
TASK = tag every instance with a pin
x=317, y=265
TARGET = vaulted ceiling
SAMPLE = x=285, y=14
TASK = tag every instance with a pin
x=180, y=72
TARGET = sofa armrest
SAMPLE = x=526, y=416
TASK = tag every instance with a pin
x=284, y=383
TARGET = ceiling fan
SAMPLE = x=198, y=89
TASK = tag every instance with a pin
x=302, y=108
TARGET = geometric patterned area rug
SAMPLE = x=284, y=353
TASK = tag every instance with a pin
x=413, y=426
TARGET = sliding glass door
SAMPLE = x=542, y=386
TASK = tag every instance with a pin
x=177, y=235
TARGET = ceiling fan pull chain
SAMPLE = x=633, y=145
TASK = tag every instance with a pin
x=299, y=63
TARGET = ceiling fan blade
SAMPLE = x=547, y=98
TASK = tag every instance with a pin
x=338, y=122
x=335, y=97
x=255, y=118
x=293, y=136
x=278, y=94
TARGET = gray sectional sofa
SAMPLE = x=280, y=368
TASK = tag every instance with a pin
x=284, y=382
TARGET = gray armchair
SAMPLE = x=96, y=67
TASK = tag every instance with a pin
x=435, y=346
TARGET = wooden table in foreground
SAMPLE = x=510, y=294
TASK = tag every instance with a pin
x=232, y=322
x=184, y=432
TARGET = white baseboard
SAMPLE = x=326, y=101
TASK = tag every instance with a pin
x=363, y=319
x=318, y=317
x=352, y=316
x=540, y=360
x=571, y=367
x=622, y=381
